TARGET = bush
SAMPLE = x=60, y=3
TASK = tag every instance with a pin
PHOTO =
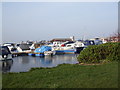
x=100, y=53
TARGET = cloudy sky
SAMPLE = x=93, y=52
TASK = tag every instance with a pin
x=23, y=21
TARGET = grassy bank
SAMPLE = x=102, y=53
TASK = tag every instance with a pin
x=66, y=76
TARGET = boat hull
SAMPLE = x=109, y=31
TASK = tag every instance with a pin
x=79, y=49
x=71, y=51
x=8, y=57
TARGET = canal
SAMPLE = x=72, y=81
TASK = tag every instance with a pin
x=25, y=63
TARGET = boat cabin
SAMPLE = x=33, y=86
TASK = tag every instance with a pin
x=23, y=48
x=11, y=46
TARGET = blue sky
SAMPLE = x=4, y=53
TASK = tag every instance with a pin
x=44, y=21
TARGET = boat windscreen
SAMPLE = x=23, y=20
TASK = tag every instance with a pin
x=4, y=51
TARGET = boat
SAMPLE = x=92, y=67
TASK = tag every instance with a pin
x=11, y=46
x=41, y=51
x=49, y=53
x=23, y=48
x=5, y=53
x=68, y=47
x=35, y=45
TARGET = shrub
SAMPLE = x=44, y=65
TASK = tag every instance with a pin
x=100, y=53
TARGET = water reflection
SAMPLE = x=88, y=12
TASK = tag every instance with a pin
x=25, y=63
x=23, y=60
x=6, y=65
x=47, y=60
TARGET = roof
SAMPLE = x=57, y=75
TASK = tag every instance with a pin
x=61, y=39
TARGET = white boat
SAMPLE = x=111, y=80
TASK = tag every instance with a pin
x=68, y=47
x=49, y=53
x=11, y=46
x=5, y=53
x=24, y=48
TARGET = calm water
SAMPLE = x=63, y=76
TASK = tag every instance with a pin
x=25, y=63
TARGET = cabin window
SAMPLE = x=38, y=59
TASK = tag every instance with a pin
x=68, y=45
x=4, y=50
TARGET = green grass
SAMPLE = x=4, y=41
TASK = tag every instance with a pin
x=65, y=76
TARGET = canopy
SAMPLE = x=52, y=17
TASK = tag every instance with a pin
x=42, y=49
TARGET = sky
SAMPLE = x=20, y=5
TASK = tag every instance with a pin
x=23, y=21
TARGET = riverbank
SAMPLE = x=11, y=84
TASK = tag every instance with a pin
x=65, y=76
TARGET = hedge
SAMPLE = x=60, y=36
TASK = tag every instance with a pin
x=99, y=53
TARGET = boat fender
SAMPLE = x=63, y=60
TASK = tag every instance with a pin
x=5, y=56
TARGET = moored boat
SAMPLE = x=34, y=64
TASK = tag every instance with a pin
x=49, y=53
x=41, y=51
x=68, y=47
x=5, y=53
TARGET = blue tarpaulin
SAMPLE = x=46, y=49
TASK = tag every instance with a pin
x=42, y=49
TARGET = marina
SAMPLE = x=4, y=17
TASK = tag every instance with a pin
x=21, y=57
x=59, y=44
x=52, y=47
